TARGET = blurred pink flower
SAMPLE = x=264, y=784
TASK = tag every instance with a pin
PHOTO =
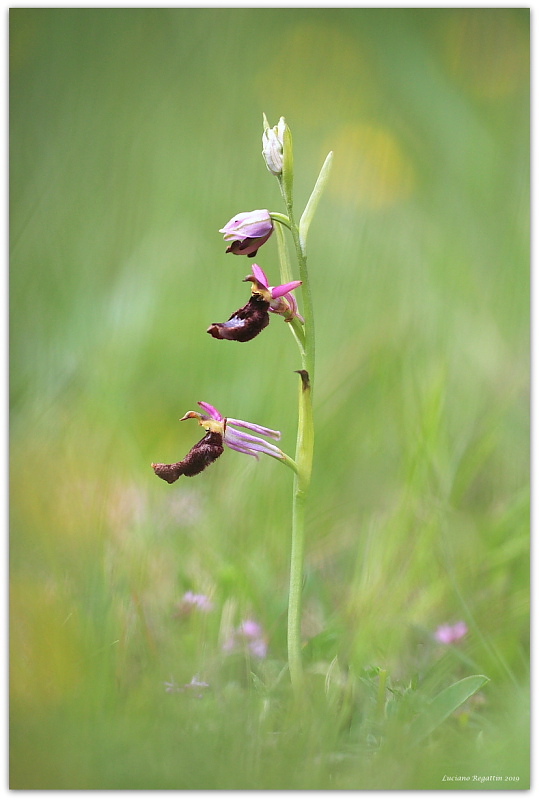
x=248, y=635
x=247, y=231
x=447, y=634
x=250, y=629
x=191, y=601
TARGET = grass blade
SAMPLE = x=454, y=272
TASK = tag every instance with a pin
x=444, y=704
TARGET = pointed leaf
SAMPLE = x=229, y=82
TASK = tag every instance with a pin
x=312, y=204
x=444, y=704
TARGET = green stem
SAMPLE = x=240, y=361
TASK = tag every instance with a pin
x=307, y=308
x=295, y=665
x=304, y=451
x=286, y=460
x=282, y=218
x=302, y=479
x=296, y=327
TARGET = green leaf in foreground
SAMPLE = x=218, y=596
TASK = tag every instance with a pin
x=444, y=704
x=312, y=203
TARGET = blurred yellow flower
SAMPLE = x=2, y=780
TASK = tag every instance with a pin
x=371, y=169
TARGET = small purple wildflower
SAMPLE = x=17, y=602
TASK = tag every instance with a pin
x=191, y=601
x=447, y=634
x=250, y=629
x=248, y=231
x=248, y=635
x=199, y=600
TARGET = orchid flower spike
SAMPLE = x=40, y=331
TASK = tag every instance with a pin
x=220, y=432
x=248, y=321
x=248, y=231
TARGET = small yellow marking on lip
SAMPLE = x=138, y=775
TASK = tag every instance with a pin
x=259, y=288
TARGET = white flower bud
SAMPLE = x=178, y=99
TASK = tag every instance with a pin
x=272, y=146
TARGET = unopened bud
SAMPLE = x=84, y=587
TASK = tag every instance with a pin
x=272, y=146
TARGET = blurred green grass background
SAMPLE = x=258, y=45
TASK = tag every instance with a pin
x=135, y=134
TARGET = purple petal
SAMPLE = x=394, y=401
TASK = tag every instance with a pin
x=248, y=224
x=292, y=300
x=240, y=423
x=211, y=410
x=246, y=246
x=286, y=306
x=293, y=305
x=233, y=224
x=250, y=445
x=260, y=275
x=251, y=441
x=279, y=291
x=235, y=440
x=241, y=448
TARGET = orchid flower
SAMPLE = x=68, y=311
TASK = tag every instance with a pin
x=219, y=433
x=247, y=231
x=248, y=321
x=282, y=301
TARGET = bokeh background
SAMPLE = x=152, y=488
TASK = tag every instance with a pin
x=135, y=134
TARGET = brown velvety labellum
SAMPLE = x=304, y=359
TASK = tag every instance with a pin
x=245, y=323
x=197, y=459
